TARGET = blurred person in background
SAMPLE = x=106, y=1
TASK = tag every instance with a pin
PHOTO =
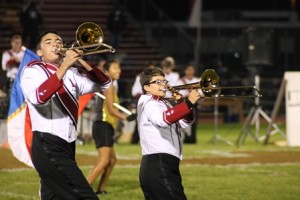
x=189, y=133
x=116, y=24
x=103, y=130
x=30, y=19
x=11, y=59
x=168, y=66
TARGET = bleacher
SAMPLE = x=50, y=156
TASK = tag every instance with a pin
x=66, y=16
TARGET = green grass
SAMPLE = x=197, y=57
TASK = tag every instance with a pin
x=201, y=182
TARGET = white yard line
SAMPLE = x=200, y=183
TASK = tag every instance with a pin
x=19, y=196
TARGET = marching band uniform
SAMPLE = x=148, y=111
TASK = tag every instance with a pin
x=159, y=129
x=136, y=89
x=9, y=65
x=53, y=108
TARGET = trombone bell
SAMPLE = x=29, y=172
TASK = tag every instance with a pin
x=210, y=82
x=89, y=33
x=89, y=38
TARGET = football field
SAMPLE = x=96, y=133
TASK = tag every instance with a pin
x=213, y=168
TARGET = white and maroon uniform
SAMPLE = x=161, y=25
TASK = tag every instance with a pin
x=10, y=66
x=136, y=89
x=39, y=84
x=160, y=124
x=53, y=108
x=159, y=128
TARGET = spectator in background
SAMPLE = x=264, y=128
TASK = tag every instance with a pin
x=116, y=24
x=189, y=133
x=136, y=89
x=11, y=59
x=30, y=19
x=168, y=66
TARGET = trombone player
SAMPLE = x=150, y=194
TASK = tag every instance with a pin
x=51, y=88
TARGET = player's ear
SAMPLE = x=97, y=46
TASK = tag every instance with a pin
x=146, y=88
x=39, y=53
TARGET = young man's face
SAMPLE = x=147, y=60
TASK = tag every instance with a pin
x=157, y=86
x=49, y=43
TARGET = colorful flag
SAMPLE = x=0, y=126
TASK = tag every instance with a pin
x=83, y=101
x=18, y=122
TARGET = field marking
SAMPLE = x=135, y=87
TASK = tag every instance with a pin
x=121, y=157
x=19, y=196
x=208, y=165
x=254, y=164
x=227, y=154
x=16, y=169
x=242, y=165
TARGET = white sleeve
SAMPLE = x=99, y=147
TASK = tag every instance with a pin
x=31, y=79
x=154, y=112
x=5, y=58
x=136, y=87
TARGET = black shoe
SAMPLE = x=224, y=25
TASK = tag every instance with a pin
x=101, y=192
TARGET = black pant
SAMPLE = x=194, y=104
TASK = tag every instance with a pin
x=160, y=177
x=54, y=160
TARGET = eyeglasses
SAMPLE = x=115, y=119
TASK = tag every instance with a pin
x=159, y=82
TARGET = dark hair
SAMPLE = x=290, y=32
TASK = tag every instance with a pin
x=147, y=75
x=107, y=64
x=39, y=39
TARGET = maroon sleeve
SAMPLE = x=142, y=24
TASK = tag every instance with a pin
x=48, y=88
x=10, y=63
x=189, y=117
x=97, y=76
x=176, y=113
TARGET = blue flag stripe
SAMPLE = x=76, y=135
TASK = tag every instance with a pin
x=16, y=96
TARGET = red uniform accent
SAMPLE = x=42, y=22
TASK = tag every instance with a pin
x=174, y=114
x=48, y=88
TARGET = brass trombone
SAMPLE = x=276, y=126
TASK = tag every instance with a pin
x=89, y=38
x=209, y=84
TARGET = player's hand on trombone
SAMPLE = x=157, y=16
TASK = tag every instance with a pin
x=194, y=96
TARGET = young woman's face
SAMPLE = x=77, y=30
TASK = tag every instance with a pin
x=189, y=71
x=157, y=86
x=114, y=71
x=49, y=43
